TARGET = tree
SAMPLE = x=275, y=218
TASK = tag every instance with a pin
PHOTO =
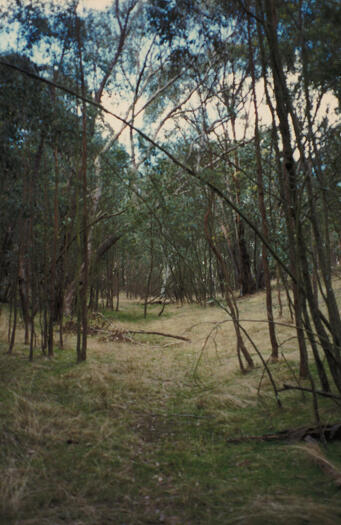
x=296, y=180
x=273, y=184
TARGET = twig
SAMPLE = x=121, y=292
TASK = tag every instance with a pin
x=202, y=351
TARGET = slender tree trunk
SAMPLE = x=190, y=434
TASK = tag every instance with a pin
x=246, y=281
x=117, y=288
x=52, y=291
x=290, y=182
x=231, y=303
x=151, y=267
x=83, y=180
x=279, y=296
x=332, y=348
x=262, y=208
x=13, y=306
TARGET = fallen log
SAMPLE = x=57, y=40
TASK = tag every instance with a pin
x=326, y=432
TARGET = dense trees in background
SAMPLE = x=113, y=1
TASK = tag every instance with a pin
x=233, y=183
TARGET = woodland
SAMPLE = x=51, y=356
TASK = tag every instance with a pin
x=170, y=250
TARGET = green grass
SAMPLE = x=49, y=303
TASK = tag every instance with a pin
x=131, y=437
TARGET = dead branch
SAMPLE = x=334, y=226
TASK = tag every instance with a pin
x=128, y=332
x=176, y=414
x=304, y=389
x=327, y=432
x=158, y=333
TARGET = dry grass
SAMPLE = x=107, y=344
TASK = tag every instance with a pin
x=282, y=509
x=133, y=436
x=316, y=453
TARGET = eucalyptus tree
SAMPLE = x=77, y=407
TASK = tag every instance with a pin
x=95, y=60
x=209, y=92
x=286, y=65
x=35, y=123
x=25, y=116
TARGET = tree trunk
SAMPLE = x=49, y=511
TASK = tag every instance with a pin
x=82, y=349
x=231, y=303
x=262, y=208
x=303, y=289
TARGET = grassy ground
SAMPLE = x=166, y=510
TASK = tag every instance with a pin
x=138, y=434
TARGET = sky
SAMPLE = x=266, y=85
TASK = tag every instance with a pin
x=91, y=4
x=95, y=4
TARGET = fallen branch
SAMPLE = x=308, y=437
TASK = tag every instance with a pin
x=128, y=332
x=158, y=333
x=175, y=414
x=328, y=432
x=304, y=389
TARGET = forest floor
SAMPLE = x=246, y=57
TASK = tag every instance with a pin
x=139, y=433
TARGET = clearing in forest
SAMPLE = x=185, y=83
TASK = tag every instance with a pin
x=141, y=432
